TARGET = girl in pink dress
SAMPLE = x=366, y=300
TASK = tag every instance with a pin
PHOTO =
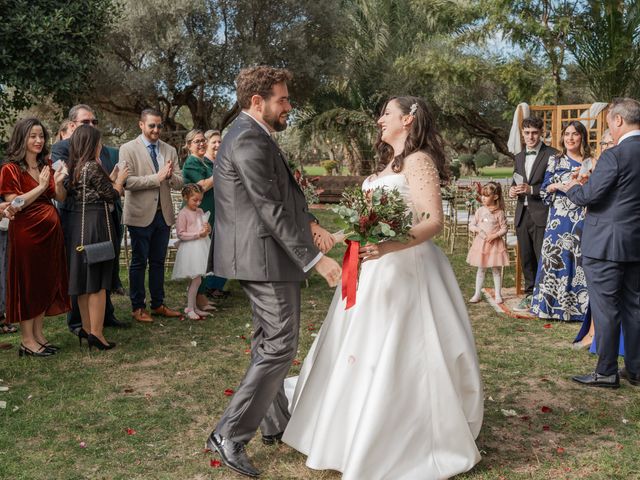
x=193, y=231
x=489, y=249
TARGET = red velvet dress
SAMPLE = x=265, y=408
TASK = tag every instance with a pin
x=37, y=268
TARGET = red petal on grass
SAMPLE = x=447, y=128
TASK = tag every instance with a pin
x=547, y=325
x=247, y=350
x=242, y=337
x=619, y=447
x=560, y=450
x=546, y=409
x=228, y=392
x=128, y=390
x=131, y=431
x=83, y=445
x=215, y=463
x=206, y=450
x=546, y=428
x=295, y=362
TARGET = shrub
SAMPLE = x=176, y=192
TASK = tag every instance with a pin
x=329, y=166
x=484, y=159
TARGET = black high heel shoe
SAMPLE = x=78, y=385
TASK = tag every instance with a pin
x=27, y=352
x=94, y=341
x=49, y=346
x=82, y=333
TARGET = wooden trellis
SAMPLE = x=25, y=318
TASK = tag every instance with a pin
x=555, y=117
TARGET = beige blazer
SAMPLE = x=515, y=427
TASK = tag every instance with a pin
x=143, y=187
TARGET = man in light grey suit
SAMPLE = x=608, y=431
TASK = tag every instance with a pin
x=264, y=237
x=610, y=247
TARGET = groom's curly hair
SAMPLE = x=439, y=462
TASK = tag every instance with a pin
x=259, y=81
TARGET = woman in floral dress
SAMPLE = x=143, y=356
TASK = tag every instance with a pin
x=561, y=288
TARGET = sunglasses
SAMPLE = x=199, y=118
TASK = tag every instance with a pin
x=198, y=142
x=152, y=126
x=93, y=122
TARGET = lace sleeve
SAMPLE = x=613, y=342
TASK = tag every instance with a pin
x=502, y=224
x=473, y=222
x=99, y=182
x=424, y=191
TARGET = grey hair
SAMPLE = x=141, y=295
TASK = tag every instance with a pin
x=75, y=110
x=627, y=108
x=210, y=133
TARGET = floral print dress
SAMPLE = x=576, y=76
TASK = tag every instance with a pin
x=561, y=287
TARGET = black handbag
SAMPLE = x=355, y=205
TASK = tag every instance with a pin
x=100, y=251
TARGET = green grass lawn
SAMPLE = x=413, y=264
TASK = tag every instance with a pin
x=166, y=381
x=497, y=172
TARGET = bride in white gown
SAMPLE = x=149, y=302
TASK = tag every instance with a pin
x=391, y=388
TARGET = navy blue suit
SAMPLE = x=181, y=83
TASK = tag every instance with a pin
x=611, y=252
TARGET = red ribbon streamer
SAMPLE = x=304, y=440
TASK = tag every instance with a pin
x=350, y=273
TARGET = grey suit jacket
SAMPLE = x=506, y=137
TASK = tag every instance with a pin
x=262, y=230
x=143, y=188
x=612, y=194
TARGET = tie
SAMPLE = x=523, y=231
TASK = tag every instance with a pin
x=531, y=152
x=154, y=156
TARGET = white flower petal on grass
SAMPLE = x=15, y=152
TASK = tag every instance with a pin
x=16, y=408
x=194, y=343
x=509, y=413
x=4, y=388
x=3, y=404
x=625, y=421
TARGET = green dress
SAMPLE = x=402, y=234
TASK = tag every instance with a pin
x=195, y=170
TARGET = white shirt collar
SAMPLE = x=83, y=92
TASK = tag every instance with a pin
x=632, y=133
x=536, y=148
x=264, y=127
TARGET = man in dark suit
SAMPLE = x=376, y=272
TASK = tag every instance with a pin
x=611, y=247
x=265, y=239
x=531, y=213
x=84, y=115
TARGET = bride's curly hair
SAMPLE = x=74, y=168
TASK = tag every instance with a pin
x=422, y=136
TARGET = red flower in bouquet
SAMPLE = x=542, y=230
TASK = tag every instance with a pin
x=372, y=216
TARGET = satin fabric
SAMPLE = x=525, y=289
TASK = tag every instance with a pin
x=35, y=236
x=391, y=388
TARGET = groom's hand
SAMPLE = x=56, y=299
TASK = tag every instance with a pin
x=329, y=269
x=321, y=238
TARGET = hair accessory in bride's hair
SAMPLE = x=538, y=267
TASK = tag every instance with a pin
x=413, y=109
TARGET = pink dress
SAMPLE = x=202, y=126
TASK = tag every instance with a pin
x=193, y=250
x=483, y=253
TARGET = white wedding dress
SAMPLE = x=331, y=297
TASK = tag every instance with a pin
x=391, y=388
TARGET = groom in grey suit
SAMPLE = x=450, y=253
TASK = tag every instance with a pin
x=610, y=247
x=267, y=239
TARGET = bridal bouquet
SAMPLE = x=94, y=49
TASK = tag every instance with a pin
x=372, y=216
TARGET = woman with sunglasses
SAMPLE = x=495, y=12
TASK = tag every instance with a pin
x=199, y=169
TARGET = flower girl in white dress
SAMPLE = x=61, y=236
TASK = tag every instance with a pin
x=193, y=231
x=391, y=388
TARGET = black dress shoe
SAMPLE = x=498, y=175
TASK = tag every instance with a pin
x=232, y=455
x=113, y=322
x=272, y=439
x=596, y=380
x=632, y=379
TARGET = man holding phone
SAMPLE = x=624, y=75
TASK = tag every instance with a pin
x=531, y=213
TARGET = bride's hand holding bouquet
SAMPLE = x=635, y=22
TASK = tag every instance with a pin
x=374, y=218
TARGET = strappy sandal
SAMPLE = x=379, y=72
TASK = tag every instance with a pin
x=6, y=328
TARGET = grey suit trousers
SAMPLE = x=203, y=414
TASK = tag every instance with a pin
x=260, y=399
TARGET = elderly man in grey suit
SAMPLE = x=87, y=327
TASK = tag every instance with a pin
x=265, y=239
x=611, y=247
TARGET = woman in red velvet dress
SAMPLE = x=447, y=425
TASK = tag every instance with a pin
x=37, y=268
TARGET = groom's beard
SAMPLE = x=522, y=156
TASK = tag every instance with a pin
x=278, y=123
